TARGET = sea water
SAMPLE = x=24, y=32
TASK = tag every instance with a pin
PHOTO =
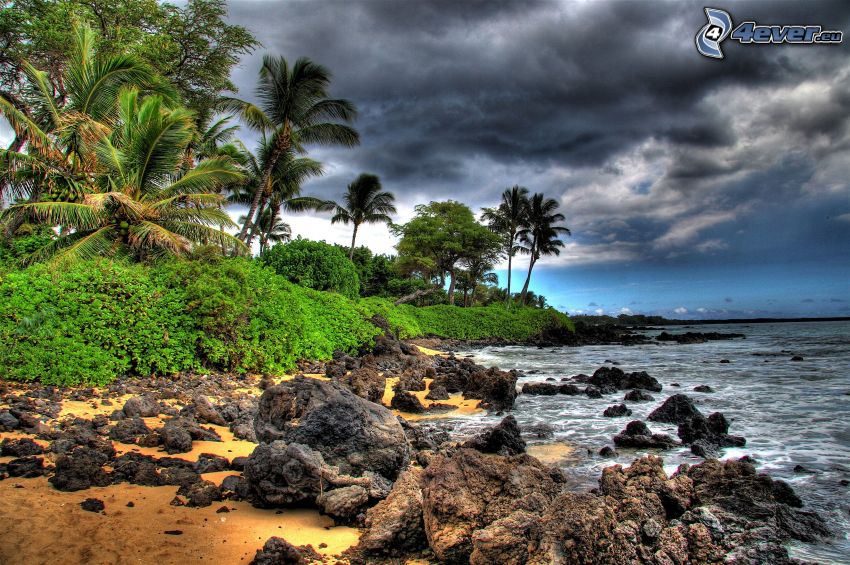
x=791, y=412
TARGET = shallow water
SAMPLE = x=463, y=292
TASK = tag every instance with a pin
x=790, y=412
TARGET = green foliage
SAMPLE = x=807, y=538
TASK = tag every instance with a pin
x=314, y=264
x=515, y=324
x=90, y=323
x=98, y=320
x=191, y=45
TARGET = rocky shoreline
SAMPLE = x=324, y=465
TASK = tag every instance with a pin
x=354, y=439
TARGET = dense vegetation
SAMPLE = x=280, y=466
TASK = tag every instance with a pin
x=100, y=319
x=117, y=253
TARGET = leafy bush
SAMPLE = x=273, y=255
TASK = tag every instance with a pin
x=90, y=323
x=516, y=324
x=314, y=264
x=97, y=320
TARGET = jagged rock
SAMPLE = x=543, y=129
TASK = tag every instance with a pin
x=403, y=401
x=20, y=447
x=80, y=469
x=365, y=382
x=200, y=493
x=394, y=527
x=496, y=389
x=344, y=502
x=675, y=410
x=278, y=551
x=8, y=422
x=135, y=468
x=503, y=438
x=283, y=474
x=179, y=476
x=350, y=433
x=468, y=490
x=613, y=378
x=144, y=406
x=569, y=389
x=616, y=411
x=703, y=388
x=92, y=505
x=175, y=438
x=437, y=392
x=707, y=435
x=637, y=435
x=210, y=463
x=207, y=413
x=26, y=467
x=129, y=430
x=592, y=392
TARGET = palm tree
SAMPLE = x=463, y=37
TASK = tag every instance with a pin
x=135, y=203
x=507, y=219
x=53, y=156
x=540, y=235
x=294, y=109
x=364, y=202
x=274, y=229
x=284, y=186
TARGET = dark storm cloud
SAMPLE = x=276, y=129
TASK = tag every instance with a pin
x=461, y=99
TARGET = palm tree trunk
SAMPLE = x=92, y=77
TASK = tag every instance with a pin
x=353, y=238
x=451, y=287
x=255, y=229
x=472, y=295
x=527, y=280
x=281, y=145
x=510, y=258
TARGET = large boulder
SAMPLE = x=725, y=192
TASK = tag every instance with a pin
x=707, y=435
x=469, y=490
x=675, y=410
x=281, y=474
x=496, y=389
x=144, y=406
x=351, y=433
x=394, y=527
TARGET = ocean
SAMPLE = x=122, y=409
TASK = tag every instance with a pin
x=791, y=412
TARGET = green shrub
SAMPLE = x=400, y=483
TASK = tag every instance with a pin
x=495, y=321
x=94, y=321
x=89, y=323
x=314, y=264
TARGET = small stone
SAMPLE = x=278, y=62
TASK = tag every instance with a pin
x=92, y=505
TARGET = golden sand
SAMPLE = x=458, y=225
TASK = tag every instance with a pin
x=46, y=526
x=429, y=351
x=551, y=453
x=463, y=407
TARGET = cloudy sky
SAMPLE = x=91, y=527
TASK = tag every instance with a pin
x=693, y=187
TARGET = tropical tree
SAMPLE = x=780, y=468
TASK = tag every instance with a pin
x=134, y=203
x=293, y=110
x=506, y=220
x=439, y=239
x=364, y=202
x=540, y=236
x=273, y=229
x=283, y=187
x=53, y=156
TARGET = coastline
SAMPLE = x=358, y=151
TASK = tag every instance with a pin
x=299, y=527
